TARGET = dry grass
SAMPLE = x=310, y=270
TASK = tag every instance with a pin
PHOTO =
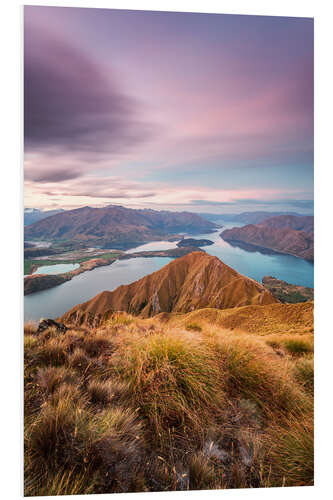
x=304, y=374
x=146, y=406
x=292, y=452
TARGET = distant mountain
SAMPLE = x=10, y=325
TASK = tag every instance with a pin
x=195, y=281
x=117, y=226
x=286, y=234
x=300, y=223
x=32, y=215
x=246, y=217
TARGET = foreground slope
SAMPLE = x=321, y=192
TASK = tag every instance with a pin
x=141, y=405
x=191, y=282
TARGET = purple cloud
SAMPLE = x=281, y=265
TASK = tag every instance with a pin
x=70, y=104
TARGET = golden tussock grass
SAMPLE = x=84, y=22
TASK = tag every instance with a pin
x=149, y=405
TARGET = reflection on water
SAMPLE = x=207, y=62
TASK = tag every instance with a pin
x=153, y=245
x=56, y=301
x=255, y=264
x=56, y=269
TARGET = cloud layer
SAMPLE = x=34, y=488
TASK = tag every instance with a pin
x=159, y=109
x=70, y=104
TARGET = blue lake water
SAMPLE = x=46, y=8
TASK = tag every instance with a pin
x=57, y=269
x=56, y=301
x=256, y=264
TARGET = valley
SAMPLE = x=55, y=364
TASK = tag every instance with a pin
x=53, y=302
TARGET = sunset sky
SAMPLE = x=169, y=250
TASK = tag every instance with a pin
x=202, y=112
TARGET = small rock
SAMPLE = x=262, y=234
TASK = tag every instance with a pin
x=44, y=324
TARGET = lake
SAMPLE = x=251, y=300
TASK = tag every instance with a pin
x=53, y=302
x=256, y=264
x=57, y=269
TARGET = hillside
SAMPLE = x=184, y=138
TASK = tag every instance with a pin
x=116, y=226
x=285, y=234
x=300, y=223
x=148, y=405
x=191, y=282
x=287, y=292
x=271, y=319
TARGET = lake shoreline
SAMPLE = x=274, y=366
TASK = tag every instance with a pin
x=38, y=282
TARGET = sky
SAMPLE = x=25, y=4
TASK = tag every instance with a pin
x=175, y=111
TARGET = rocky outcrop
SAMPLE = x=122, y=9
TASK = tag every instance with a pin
x=45, y=324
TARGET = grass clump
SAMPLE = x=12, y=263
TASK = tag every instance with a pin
x=52, y=353
x=79, y=360
x=250, y=372
x=202, y=475
x=298, y=347
x=97, y=344
x=304, y=374
x=51, y=377
x=174, y=380
x=100, y=392
x=292, y=453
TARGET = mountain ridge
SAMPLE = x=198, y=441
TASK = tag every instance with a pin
x=194, y=281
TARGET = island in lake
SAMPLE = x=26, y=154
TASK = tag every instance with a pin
x=192, y=242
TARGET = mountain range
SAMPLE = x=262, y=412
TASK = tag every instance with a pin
x=116, y=225
x=32, y=215
x=195, y=281
x=246, y=217
x=286, y=234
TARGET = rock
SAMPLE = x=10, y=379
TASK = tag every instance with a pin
x=50, y=323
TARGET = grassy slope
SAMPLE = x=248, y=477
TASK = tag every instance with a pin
x=149, y=405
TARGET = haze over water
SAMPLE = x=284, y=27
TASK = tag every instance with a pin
x=56, y=301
